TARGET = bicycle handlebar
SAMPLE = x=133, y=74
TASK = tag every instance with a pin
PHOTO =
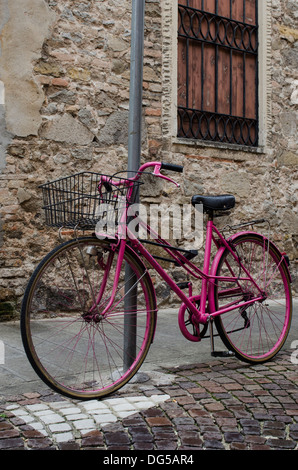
x=172, y=167
x=108, y=181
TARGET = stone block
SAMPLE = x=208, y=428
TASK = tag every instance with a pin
x=67, y=129
x=23, y=195
x=115, y=130
x=7, y=311
x=288, y=158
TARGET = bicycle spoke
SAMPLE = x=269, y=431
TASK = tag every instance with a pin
x=257, y=331
x=73, y=346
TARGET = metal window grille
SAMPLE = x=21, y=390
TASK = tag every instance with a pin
x=218, y=71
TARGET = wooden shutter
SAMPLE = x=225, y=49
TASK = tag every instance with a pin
x=218, y=71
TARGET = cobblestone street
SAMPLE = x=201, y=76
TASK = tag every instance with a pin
x=224, y=405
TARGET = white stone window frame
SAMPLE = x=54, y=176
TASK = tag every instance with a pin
x=170, y=78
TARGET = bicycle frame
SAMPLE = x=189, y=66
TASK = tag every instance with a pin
x=201, y=315
x=207, y=276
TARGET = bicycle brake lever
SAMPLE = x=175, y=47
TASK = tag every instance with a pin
x=156, y=172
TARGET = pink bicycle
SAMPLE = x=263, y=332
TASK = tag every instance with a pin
x=89, y=312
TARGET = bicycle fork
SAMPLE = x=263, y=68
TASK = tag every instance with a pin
x=97, y=300
x=94, y=312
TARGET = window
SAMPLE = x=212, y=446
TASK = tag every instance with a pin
x=218, y=71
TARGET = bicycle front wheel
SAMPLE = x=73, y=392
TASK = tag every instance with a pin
x=73, y=348
x=257, y=332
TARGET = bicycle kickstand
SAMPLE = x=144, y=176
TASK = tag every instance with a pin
x=213, y=352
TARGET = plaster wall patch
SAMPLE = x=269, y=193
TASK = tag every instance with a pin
x=27, y=24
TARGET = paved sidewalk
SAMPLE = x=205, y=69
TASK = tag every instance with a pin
x=219, y=404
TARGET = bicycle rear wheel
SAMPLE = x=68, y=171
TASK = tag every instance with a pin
x=257, y=332
x=73, y=349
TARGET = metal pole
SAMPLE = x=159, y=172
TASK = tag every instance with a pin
x=134, y=158
x=136, y=84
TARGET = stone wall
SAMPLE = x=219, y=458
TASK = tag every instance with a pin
x=263, y=180
x=64, y=76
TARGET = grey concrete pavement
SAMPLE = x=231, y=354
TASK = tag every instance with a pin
x=169, y=349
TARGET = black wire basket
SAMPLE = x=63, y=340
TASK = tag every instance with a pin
x=81, y=200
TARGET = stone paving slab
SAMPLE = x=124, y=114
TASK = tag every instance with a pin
x=222, y=405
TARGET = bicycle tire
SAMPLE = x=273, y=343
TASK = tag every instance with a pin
x=256, y=333
x=77, y=354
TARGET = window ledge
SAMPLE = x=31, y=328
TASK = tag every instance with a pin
x=218, y=145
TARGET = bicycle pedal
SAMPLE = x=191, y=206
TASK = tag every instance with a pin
x=222, y=353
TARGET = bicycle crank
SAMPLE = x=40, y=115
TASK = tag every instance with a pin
x=187, y=324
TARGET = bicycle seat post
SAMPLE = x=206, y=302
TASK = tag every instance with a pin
x=206, y=267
